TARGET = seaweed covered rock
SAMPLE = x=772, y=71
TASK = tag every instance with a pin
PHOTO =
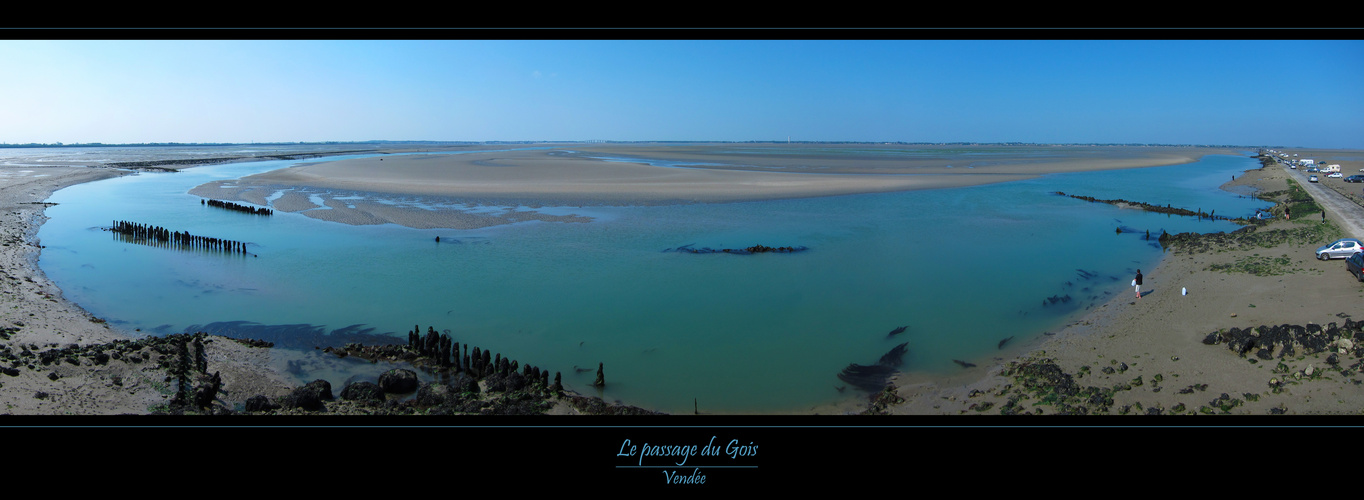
x=882, y=401
x=1045, y=381
x=364, y=392
x=433, y=394
x=1288, y=340
x=505, y=382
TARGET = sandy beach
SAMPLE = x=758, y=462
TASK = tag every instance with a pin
x=1157, y=339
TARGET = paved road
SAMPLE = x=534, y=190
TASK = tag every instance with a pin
x=1347, y=214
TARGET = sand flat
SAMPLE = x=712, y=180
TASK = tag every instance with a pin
x=770, y=174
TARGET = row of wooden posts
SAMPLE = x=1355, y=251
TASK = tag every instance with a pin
x=136, y=231
x=239, y=208
x=145, y=233
x=480, y=363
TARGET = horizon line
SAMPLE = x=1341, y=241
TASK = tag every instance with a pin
x=604, y=141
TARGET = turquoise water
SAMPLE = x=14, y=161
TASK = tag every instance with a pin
x=963, y=268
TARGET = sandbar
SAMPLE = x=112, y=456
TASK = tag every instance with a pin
x=632, y=174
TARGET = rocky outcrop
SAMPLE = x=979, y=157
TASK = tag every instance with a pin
x=1292, y=340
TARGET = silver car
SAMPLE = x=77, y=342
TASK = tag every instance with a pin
x=1340, y=249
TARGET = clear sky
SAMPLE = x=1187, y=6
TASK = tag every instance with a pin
x=1252, y=92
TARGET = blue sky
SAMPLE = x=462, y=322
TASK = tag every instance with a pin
x=1252, y=92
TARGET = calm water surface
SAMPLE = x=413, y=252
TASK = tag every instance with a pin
x=962, y=268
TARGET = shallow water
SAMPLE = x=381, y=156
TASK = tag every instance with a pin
x=962, y=268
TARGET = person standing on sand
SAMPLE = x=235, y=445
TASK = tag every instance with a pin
x=1138, y=282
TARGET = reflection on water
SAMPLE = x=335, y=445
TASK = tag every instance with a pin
x=961, y=268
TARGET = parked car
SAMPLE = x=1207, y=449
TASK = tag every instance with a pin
x=1340, y=248
x=1355, y=265
x=1355, y=178
x=1336, y=175
x=1312, y=179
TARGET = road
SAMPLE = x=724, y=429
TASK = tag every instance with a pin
x=1347, y=214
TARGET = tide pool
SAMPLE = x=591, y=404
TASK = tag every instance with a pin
x=765, y=333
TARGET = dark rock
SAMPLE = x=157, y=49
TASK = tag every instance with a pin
x=364, y=392
x=305, y=398
x=260, y=403
x=398, y=381
x=323, y=389
x=511, y=381
x=430, y=394
x=463, y=383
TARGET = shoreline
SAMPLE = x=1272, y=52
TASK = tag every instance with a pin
x=1150, y=356
x=54, y=351
x=65, y=323
x=58, y=359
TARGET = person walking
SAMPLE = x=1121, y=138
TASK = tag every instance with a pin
x=1137, y=281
